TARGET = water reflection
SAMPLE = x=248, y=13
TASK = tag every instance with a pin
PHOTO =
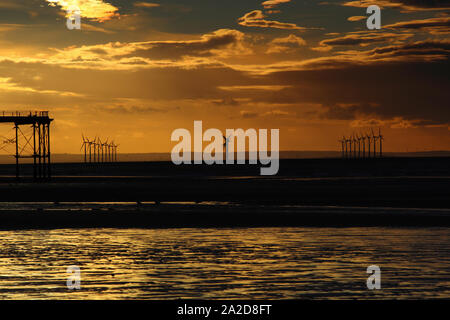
x=279, y=263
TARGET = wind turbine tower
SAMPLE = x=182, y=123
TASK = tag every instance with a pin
x=350, y=147
x=374, y=139
x=359, y=145
x=363, y=138
x=343, y=146
x=368, y=143
x=115, y=152
x=381, y=138
x=225, y=144
x=104, y=148
x=84, y=145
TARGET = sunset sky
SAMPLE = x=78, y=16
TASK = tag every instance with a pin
x=138, y=70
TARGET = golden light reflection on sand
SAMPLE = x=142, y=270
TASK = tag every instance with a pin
x=277, y=263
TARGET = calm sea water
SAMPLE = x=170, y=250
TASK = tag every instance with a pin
x=262, y=263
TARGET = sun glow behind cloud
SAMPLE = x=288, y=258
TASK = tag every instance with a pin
x=91, y=9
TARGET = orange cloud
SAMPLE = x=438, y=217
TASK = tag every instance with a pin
x=255, y=18
x=356, y=18
x=285, y=44
x=434, y=25
x=208, y=50
x=91, y=9
x=146, y=5
x=365, y=39
x=403, y=5
x=270, y=4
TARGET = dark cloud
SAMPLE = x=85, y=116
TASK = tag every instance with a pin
x=221, y=39
x=270, y=4
x=256, y=18
x=99, y=51
x=364, y=39
x=424, y=4
x=226, y=102
x=248, y=114
x=408, y=81
x=133, y=109
x=429, y=48
x=403, y=5
x=432, y=25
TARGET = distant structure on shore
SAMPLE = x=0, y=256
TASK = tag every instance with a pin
x=354, y=146
x=97, y=151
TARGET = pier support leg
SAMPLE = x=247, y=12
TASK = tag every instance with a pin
x=49, y=164
x=17, y=150
x=39, y=152
x=34, y=153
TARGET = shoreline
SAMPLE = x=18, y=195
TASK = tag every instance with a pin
x=156, y=216
x=412, y=192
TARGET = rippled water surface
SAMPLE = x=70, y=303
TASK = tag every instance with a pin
x=278, y=263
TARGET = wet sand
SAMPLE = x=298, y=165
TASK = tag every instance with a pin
x=305, y=185
x=233, y=263
x=218, y=216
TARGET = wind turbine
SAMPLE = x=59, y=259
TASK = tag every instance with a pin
x=90, y=150
x=374, y=139
x=115, y=152
x=381, y=142
x=99, y=147
x=84, y=145
x=94, y=147
x=105, y=144
x=359, y=145
x=350, y=148
x=89, y=143
x=225, y=144
x=342, y=146
x=363, y=138
x=110, y=150
x=346, y=148
x=368, y=143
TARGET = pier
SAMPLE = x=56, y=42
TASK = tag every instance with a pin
x=39, y=140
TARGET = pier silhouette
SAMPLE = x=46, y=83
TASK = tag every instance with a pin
x=38, y=140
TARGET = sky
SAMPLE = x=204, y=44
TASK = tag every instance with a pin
x=137, y=70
